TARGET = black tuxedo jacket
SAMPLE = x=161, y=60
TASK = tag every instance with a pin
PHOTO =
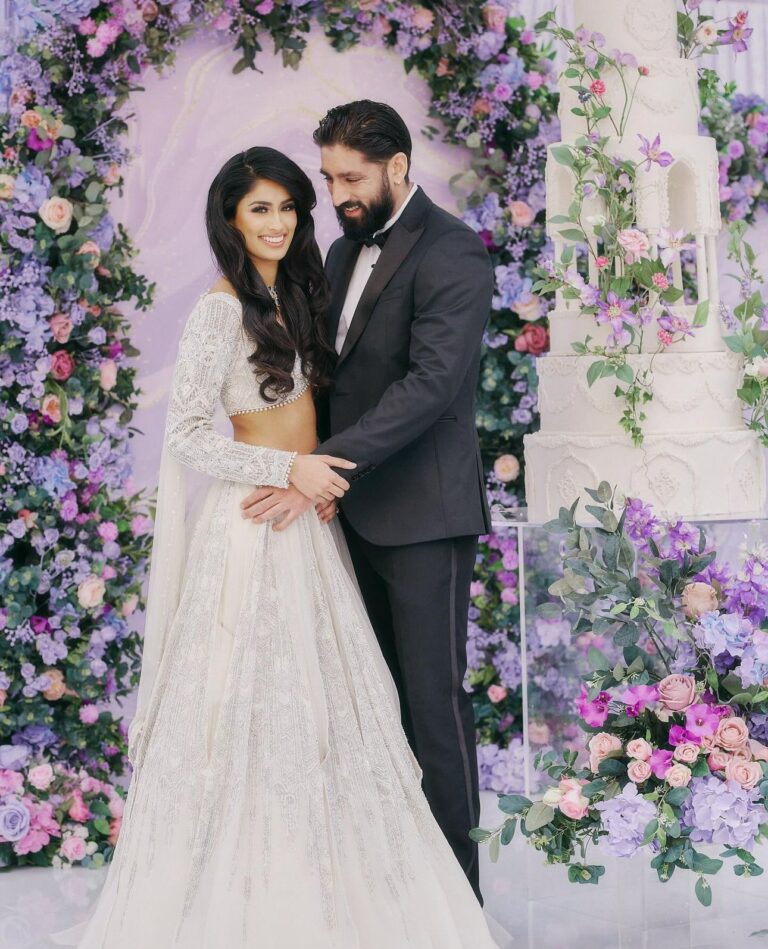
x=403, y=401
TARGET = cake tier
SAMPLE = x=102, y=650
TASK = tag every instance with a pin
x=572, y=326
x=666, y=101
x=683, y=196
x=690, y=391
x=702, y=476
x=642, y=27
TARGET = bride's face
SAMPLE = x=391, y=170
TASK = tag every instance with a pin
x=266, y=217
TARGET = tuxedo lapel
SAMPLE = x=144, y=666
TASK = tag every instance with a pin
x=339, y=274
x=405, y=233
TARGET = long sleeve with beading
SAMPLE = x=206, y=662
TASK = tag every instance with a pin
x=208, y=348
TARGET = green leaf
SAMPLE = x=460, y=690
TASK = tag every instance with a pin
x=493, y=849
x=479, y=835
x=513, y=803
x=626, y=374
x=508, y=832
x=702, y=314
x=573, y=234
x=595, y=372
x=676, y=796
x=704, y=864
x=538, y=816
x=611, y=766
x=597, y=661
x=563, y=155
x=703, y=892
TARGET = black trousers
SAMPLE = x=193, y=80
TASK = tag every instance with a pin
x=417, y=597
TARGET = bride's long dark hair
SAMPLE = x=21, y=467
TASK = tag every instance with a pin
x=301, y=283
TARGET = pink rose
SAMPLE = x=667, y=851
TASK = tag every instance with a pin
x=31, y=119
x=7, y=187
x=506, y=468
x=698, y=599
x=11, y=782
x=116, y=806
x=539, y=733
x=598, y=88
x=89, y=714
x=40, y=777
x=638, y=770
x=495, y=17
x=686, y=752
x=601, y=746
x=114, y=830
x=534, y=339
x=3, y=697
x=33, y=842
x=743, y=754
x=497, y=693
x=62, y=365
x=677, y=692
x=732, y=733
x=745, y=773
x=758, y=749
x=717, y=760
x=90, y=592
x=56, y=213
x=639, y=748
x=523, y=214
x=79, y=809
x=108, y=375
x=141, y=524
x=73, y=848
x=422, y=19
x=129, y=606
x=51, y=407
x=634, y=242
x=678, y=776
x=61, y=327
x=91, y=247
x=573, y=803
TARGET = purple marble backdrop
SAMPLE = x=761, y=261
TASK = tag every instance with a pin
x=183, y=128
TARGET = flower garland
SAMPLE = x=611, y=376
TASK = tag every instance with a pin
x=76, y=535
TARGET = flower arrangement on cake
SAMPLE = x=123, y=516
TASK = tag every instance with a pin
x=677, y=746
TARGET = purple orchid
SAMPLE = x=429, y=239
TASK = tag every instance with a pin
x=653, y=153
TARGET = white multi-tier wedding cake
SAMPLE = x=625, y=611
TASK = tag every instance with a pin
x=697, y=458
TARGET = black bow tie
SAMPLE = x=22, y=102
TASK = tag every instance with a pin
x=379, y=239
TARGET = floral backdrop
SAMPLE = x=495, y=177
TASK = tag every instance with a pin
x=76, y=534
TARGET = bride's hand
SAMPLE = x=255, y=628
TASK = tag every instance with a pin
x=314, y=476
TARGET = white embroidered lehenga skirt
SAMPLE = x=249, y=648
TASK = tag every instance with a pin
x=275, y=803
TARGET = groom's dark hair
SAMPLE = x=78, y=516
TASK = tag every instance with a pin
x=373, y=128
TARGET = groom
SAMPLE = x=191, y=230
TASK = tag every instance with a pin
x=411, y=293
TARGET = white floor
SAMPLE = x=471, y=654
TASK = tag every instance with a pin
x=629, y=909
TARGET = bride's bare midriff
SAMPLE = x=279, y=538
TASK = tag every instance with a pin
x=291, y=427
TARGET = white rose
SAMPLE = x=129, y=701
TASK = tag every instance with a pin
x=706, y=34
x=552, y=797
x=596, y=220
x=757, y=368
x=506, y=468
x=90, y=592
x=57, y=214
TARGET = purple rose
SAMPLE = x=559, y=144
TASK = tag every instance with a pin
x=14, y=757
x=14, y=819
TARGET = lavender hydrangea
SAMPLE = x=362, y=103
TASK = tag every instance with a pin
x=502, y=769
x=625, y=818
x=722, y=812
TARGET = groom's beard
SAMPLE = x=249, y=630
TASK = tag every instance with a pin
x=373, y=215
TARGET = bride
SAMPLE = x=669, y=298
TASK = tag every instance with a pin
x=275, y=802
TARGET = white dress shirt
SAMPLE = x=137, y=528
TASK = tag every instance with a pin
x=365, y=263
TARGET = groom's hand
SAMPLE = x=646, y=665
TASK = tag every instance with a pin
x=282, y=505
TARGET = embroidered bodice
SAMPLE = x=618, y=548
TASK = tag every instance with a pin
x=212, y=366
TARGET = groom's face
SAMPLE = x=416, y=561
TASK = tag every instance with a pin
x=359, y=188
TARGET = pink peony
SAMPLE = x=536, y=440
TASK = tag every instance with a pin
x=523, y=214
x=677, y=692
x=640, y=749
x=107, y=530
x=497, y=693
x=62, y=365
x=573, y=803
x=638, y=770
x=678, y=776
x=11, y=782
x=32, y=842
x=116, y=806
x=698, y=599
x=686, y=752
x=602, y=746
x=61, y=327
x=745, y=773
x=40, y=776
x=732, y=733
x=73, y=848
x=141, y=524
